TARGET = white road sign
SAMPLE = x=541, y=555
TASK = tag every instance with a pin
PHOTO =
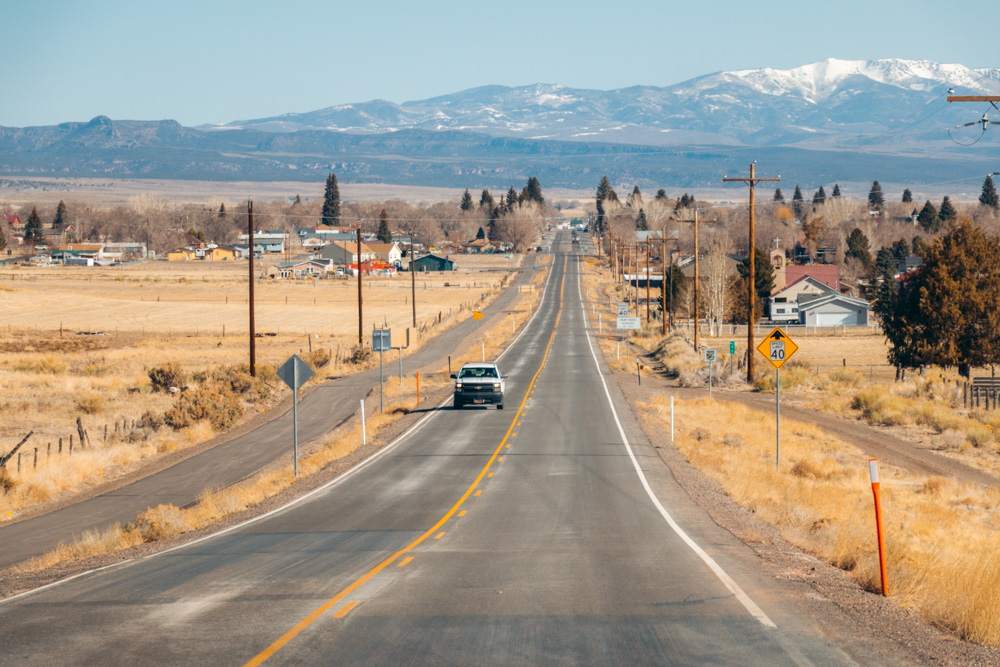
x=629, y=322
x=622, y=309
x=710, y=356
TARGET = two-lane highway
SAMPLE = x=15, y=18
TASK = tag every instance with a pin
x=549, y=532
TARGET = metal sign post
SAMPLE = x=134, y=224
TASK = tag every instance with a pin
x=295, y=373
x=777, y=348
x=381, y=341
x=710, y=358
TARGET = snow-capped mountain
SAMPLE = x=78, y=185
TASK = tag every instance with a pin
x=829, y=104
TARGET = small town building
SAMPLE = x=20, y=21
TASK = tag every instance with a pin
x=432, y=262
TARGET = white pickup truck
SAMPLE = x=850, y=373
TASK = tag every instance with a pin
x=479, y=383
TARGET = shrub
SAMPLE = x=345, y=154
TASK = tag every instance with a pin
x=90, y=403
x=150, y=420
x=6, y=481
x=318, y=359
x=359, y=355
x=164, y=377
x=213, y=402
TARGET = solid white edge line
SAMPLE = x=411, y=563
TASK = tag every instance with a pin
x=413, y=430
x=728, y=581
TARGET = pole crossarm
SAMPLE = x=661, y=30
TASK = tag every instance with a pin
x=974, y=98
x=751, y=246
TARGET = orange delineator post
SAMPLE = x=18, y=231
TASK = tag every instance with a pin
x=873, y=467
x=418, y=387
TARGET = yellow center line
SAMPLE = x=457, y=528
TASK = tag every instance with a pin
x=490, y=475
x=346, y=609
x=462, y=513
x=360, y=581
x=439, y=535
x=403, y=562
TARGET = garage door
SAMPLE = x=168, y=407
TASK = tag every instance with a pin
x=836, y=319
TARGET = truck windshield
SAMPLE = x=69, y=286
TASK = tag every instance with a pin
x=478, y=373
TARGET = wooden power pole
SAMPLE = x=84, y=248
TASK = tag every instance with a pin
x=361, y=330
x=697, y=275
x=253, y=333
x=751, y=287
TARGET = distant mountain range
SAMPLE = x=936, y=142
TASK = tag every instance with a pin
x=830, y=121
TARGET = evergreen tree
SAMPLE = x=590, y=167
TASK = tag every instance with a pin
x=920, y=247
x=836, y=191
x=778, y=195
x=60, y=218
x=928, y=218
x=989, y=195
x=885, y=265
x=958, y=296
x=486, y=200
x=467, y=203
x=907, y=196
x=661, y=194
x=875, y=197
x=197, y=233
x=533, y=191
x=481, y=234
x=512, y=200
x=384, y=233
x=797, y=200
x=947, y=213
x=859, y=248
x=901, y=249
x=331, y=202
x=604, y=193
x=640, y=222
x=3, y=240
x=820, y=196
x=763, y=285
x=222, y=211
x=33, y=228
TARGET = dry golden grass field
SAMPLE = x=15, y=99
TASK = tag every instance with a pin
x=160, y=313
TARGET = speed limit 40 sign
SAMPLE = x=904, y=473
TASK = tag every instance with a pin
x=777, y=347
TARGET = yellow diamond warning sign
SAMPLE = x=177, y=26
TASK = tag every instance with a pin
x=777, y=347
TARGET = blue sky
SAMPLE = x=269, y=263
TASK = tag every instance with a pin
x=214, y=62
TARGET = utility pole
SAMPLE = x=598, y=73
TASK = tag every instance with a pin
x=361, y=331
x=697, y=275
x=253, y=341
x=663, y=291
x=751, y=287
x=413, y=285
x=647, y=279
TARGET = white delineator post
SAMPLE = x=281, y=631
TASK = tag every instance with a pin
x=364, y=435
x=671, y=419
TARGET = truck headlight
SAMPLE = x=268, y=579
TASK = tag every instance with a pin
x=496, y=385
x=458, y=385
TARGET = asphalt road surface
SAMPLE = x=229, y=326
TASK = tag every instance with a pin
x=322, y=410
x=549, y=532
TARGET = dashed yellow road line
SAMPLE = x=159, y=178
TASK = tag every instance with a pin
x=360, y=581
x=439, y=535
x=462, y=513
x=490, y=475
x=403, y=562
x=346, y=609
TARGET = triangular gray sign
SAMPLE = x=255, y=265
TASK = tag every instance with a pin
x=295, y=372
